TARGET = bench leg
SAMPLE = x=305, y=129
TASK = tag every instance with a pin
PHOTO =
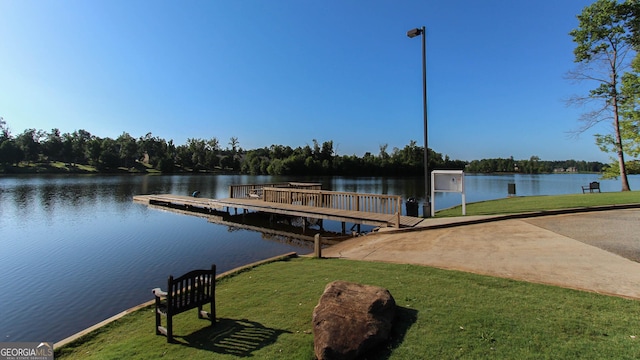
x=213, y=310
x=158, y=323
x=158, y=317
x=169, y=328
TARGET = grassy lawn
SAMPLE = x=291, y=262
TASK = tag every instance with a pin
x=525, y=204
x=54, y=167
x=265, y=313
x=57, y=167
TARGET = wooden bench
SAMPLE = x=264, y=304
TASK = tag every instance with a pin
x=191, y=290
x=591, y=187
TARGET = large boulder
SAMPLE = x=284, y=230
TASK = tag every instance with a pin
x=351, y=319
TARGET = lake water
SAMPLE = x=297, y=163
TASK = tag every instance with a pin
x=76, y=250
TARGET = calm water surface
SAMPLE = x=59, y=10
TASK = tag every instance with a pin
x=76, y=250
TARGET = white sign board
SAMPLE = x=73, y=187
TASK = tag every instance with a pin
x=447, y=181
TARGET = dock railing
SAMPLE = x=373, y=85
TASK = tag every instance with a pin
x=374, y=203
x=244, y=191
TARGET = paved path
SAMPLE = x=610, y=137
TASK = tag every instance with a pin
x=591, y=251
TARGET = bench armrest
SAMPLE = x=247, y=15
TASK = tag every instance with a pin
x=158, y=292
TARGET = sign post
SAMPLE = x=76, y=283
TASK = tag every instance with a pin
x=447, y=181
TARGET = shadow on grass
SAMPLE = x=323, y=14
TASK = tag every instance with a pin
x=234, y=337
x=405, y=318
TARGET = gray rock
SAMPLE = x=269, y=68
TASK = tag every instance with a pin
x=350, y=319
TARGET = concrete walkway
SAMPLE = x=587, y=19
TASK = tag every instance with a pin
x=592, y=251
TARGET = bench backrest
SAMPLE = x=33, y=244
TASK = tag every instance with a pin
x=191, y=290
x=594, y=185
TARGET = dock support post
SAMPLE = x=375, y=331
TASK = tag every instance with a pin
x=344, y=229
x=317, y=246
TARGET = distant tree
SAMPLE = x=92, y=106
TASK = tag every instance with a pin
x=109, y=155
x=214, y=144
x=410, y=159
x=167, y=163
x=233, y=142
x=280, y=151
x=29, y=143
x=10, y=153
x=93, y=150
x=152, y=146
x=4, y=130
x=384, y=156
x=197, y=148
x=326, y=154
x=604, y=40
x=232, y=160
x=183, y=157
x=212, y=149
x=128, y=149
x=52, y=145
x=77, y=146
x=277, y=167
x=255, y=162
x=316, y=149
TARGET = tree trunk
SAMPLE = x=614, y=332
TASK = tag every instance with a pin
x=619, y=150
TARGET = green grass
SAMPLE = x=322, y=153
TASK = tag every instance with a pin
x=266, y=313
x=57, y=167
x=53, y=167
x=542, y=203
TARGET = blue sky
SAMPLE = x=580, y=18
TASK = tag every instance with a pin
x=290, y=71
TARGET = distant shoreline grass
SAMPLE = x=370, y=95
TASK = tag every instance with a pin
x=58, y=167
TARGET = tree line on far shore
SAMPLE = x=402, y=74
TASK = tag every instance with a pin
x=127, y=153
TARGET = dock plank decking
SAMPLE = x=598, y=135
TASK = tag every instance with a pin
x=254, y=204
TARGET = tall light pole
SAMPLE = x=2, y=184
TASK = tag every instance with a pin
x=426, y=208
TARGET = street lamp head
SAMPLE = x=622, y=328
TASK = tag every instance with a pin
x=414, y=32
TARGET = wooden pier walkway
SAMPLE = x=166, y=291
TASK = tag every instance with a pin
x=355, y=208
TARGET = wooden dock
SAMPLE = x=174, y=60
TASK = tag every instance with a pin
x=300, y=201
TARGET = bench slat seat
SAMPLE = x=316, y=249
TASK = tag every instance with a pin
x=591, y=187
x=189, y=291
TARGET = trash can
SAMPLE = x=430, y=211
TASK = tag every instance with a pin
x=511, y=189
x=412, y=207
